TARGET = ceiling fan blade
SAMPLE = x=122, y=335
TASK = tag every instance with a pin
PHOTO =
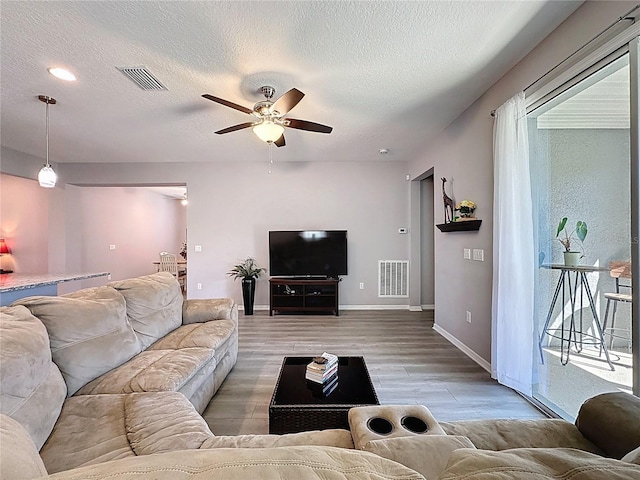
x=305, y=125
x=235, y=127
x=287, y=101
x=227, y=103
x=280, y=141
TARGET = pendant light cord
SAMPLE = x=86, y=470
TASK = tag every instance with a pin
x=47, y=131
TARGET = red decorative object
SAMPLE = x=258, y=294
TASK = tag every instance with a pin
x=4, y=248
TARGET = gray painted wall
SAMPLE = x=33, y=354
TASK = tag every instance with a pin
x=232, y=207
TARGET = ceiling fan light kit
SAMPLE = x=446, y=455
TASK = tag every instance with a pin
x=268, y=131
x=47, y=178
x=271, y=116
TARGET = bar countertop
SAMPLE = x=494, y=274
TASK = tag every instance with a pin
x=10, y=282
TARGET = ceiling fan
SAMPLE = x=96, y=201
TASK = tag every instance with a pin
x=271, y=120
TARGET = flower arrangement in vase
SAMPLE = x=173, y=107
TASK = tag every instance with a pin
x=466, y=209
x=571, y=257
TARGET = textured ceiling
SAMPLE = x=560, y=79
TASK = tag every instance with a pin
x=383, y=74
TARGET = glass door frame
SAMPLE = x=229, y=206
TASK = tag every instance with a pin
x=634, y=84
x=538, y=94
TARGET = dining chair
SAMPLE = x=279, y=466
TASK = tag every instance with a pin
x=618, y=270
x=169, y=263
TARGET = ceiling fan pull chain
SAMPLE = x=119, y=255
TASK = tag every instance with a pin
x=270, y=156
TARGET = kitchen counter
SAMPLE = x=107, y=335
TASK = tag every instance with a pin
x=18, y=285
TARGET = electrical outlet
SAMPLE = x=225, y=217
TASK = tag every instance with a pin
x=112, y=247
x=468, y=316
x=361, y=285
x=109, y=277
x=199, y=286
x=478, y=254
x=467, y=254
x=198, y=248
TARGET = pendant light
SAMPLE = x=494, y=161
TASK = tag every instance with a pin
x=47, y=177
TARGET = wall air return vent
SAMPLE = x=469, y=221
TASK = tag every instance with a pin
x=142, y=78
x=393, y=278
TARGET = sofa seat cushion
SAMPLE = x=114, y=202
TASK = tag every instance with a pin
x=88, y=330
x=427, y=454
x=32, y=391
x=309, y=463
x=511, y=433
x=152, y=371
x=154, y=305
x=210, y=335
x=98, y=428
x=536, y=464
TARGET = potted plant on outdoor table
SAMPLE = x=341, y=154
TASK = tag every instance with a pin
x=571, y=257
x=248, y=270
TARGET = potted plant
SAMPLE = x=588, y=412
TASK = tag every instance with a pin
x=571, y=257
x=248, y=270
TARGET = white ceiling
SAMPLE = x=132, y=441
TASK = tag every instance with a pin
x=384, y=74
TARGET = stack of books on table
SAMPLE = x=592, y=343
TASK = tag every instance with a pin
x=323, y=369
x=322, y=390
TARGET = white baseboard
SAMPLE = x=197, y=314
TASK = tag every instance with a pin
x=463, y=348
x=428, y=307
x=351, y=307
x=374, y=307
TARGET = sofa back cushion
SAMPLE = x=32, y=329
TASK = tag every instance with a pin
x=154, y=305
x=88, y=330
x=32, y=390
x=19, y=459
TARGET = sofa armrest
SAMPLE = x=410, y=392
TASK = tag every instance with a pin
x=329, y=438
x=611, y=421
x=205, y=310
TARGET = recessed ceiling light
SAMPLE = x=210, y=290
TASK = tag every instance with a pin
x=384, y=151
x=62, y=74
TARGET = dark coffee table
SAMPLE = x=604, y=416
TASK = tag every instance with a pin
x=299, y=405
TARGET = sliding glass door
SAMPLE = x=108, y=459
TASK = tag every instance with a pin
x=580, y=163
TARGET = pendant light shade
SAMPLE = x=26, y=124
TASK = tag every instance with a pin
x=47, y=178
x=268, y=131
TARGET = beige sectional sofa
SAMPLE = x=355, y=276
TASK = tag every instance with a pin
x=109, y=382
x=122, y=370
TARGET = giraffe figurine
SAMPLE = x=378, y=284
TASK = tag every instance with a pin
x=449, y=205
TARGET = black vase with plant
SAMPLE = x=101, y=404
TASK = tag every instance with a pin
x=248, y=270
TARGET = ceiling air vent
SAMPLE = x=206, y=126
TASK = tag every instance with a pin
x=142, y=78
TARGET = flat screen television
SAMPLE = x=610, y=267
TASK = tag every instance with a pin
x=308, y=253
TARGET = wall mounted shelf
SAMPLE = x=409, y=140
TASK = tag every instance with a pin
x=464, y=226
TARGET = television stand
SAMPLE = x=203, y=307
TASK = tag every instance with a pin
x=304, y=295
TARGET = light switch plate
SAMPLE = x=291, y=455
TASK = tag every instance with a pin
x=467, y=254
x=478, y=254
x=198, y=248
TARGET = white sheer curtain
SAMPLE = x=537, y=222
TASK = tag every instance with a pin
x=513, y=249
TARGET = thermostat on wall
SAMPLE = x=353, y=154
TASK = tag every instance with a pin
x=402, y=230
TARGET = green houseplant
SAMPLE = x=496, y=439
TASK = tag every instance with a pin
x=247, y=270
x=571, y=257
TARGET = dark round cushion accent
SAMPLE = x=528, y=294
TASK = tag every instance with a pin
x=612, y=422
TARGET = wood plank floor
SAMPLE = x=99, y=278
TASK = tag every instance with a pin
x=408, y=361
